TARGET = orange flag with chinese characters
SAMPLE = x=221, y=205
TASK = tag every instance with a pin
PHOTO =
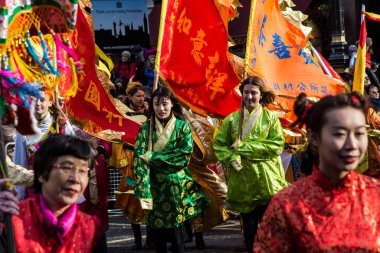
x=194, y=62
x=278, y=55
x=91, y=107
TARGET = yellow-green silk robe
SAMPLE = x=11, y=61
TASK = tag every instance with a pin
x=262, y=174
x=176, y=197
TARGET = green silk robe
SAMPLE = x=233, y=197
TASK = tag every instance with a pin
x=176, y=197
x=262, y=174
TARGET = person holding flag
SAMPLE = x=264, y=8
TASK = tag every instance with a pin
x=362, y=69
x=26, y=146
x=252, y=155
x=163, y=183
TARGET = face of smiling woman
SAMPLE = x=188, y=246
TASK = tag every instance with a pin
x=137, y=99
x=66, y=182
x=251, y=96
x=342, y=142
x=162, y=107
x=42, y=105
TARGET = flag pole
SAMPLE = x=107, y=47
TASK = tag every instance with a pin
x=246, y=61
x=359, y=72
x=249, y=38
x=164, y=8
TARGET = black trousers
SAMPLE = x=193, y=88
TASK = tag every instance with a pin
x=136, y=228
x=173, y=235
x=250, y=225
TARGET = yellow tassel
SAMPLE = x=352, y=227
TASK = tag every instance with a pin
x=74, y=79
x=11, y=63
x=29, y=73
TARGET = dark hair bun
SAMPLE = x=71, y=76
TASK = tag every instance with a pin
x=300, y=105
x=358, y=100
x=314, y=116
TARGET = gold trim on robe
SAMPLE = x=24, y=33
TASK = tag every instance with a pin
x=163, y=133
x=250, y=120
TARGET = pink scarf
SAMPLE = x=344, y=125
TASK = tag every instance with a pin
x=61, y=225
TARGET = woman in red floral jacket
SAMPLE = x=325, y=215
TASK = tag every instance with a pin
x=335, y=209
x=51, y=221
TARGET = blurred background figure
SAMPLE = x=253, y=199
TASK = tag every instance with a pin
x=126, y=68
x=149, y=70
x=119, y=88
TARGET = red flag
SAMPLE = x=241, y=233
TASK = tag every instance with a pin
x=372, y=16
x=92, y=106
x=325, y=65
x=194, y=62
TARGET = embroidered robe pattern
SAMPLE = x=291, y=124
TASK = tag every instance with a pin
x=176, y=197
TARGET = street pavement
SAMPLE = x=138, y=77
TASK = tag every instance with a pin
x=224, y=238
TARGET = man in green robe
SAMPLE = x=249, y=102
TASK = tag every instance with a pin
x=252, y=157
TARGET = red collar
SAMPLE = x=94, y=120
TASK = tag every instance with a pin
x=327, y=183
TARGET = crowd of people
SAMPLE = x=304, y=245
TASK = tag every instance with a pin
x=137, y=66
x=184, y=175
x=371, y=81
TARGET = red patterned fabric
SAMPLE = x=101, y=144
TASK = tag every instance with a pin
x=33, y=235
x=313, y=215
x=100, y=209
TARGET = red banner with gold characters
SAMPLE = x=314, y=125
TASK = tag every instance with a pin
x=194, y=62
x=278, y=53
x=91, y=106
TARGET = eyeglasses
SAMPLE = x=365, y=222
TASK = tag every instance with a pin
x=68, y=169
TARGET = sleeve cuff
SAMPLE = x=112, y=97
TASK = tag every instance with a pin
x=146, y=204
x=146, y=157
x=236, y=165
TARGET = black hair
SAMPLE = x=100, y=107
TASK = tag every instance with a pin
x=161, y=92
x=118, y=80
x=136, y=89
x=52, y=148
x=267, y=95
x=314, y=116
x=132, y=92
